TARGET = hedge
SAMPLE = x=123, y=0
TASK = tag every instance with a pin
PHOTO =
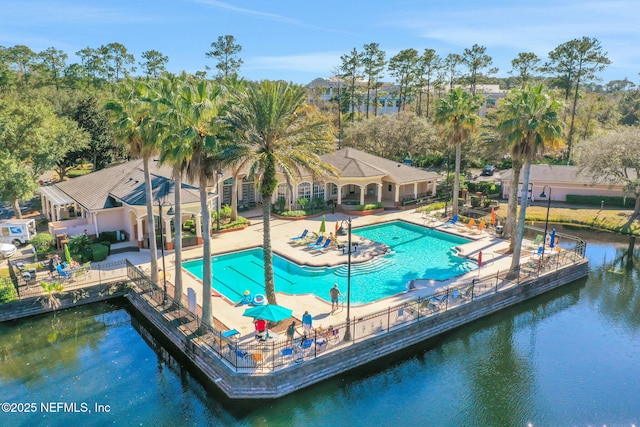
x=99, y=252
x=609, y=201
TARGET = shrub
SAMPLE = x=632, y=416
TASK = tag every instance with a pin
x=609, y=201
x=99, y=252
x=296, y=213
x=43, y=243
x=111, y=236
x=432, y=207
x=367, y=207
x=237, y=223
x=7, y=291
x=303, y=202
x=280, y=204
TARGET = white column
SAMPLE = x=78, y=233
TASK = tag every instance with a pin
x=379, y=192
x=198, y=226
x=167, y=230
x=396, y=197
x=339, y=194
x=140, y=232
x=363, y=189
x=415, y=190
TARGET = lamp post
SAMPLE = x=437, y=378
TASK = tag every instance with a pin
x=220, y=173
x=546, y=223
x=347, y=333
x=162, y=203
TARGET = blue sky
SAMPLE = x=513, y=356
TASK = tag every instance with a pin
x=301, y=40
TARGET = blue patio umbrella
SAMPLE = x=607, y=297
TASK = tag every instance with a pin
x=552, y=242
x=270, y=312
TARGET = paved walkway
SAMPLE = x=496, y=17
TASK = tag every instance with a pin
x=230, y=313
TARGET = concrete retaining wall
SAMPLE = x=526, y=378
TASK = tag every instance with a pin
x=265, y=385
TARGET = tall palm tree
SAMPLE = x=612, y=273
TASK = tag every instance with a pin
x=458, y=116
x=134, y=122
x=528, y=118
x=175, y=151
x=275, y=133
x=200, y=108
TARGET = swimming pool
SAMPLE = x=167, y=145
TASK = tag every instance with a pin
x=417, y=252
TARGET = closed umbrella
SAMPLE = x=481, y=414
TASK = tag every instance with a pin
x=271, y=312
x=323, y=226
x=552, y=242
x=493, y=216
x=67, y=254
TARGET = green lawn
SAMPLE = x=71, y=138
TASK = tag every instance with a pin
x=616, y=220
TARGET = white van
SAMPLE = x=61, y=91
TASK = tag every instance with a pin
x=17, y=231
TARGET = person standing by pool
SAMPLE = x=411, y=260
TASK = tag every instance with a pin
x=291, y=331
x=335, y=293
x=307, y=320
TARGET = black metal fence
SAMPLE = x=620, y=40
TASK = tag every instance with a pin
x=277, y=351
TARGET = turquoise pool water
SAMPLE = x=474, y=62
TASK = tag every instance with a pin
x=418, y=252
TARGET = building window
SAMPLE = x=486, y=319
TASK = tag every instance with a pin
x=390, y=187
x=304, y=190
x=318, y=190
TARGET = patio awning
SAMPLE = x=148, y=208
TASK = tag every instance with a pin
x=56, y=196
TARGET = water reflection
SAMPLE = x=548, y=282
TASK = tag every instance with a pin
x=568, y=357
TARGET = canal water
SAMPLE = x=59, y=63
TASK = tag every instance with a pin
x=568, y=358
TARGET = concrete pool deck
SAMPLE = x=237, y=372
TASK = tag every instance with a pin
x=229, y=313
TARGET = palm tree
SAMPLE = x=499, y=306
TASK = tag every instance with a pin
x=458, y=116
x=50, y=300
x=530, y=124
x=175, y=151
x=135, y=124
x=275, y=133
x=199, y=108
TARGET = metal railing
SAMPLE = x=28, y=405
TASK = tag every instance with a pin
x=272, y=354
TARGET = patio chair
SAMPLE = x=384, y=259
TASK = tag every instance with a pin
x=301, y=236
x=536, y=242
x=325, y=245
x=63, y=274
x=468, y=226
x=480, y=228
x=287, y=353
x=318, y=242
x=305, y=346
x=452, y=221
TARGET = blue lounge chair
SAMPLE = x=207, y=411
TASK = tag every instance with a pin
x=323, y=246
x=300, y=237
x=453, y=221
x=318, y=242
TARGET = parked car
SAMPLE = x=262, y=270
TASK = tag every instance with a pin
x=488, y=170
x=7, y=250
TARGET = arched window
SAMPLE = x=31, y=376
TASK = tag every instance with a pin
x=304, y=190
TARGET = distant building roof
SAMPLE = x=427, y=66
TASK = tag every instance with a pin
x=352, y=163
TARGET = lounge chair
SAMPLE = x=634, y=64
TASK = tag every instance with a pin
x=318, y=242
x=452, y=221
x=480, y=228
x=536, y=242
x=469, y=226
x=301, y=236
x=325, y=245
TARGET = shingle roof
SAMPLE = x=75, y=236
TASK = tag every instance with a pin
x=125, y=183
x=558, y=174
x=353, y=163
